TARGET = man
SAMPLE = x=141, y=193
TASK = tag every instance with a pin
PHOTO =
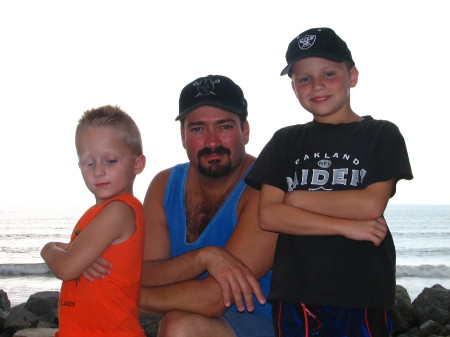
x=204, y=249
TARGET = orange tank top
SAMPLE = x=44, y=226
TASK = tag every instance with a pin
x=108, y=307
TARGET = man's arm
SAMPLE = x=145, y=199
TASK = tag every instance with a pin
x=365, y=204
x=279, y=217
x=114, y=224
x=249, y=243
x=158, y=267
x=169, y=284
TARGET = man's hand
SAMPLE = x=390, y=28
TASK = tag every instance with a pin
x=367, y=230
x=234, y=278
x=98, y=270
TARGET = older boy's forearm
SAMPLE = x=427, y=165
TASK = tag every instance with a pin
x=365, y=204
x=197, y=296
x=287, y=219
x=339, y=204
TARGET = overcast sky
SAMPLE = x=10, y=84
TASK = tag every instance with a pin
x=60, y=58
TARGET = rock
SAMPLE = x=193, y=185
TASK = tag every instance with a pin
x=35, y=332
x=430, y=327
x=414, y=332
x=3, y=316
x=404, y=315
x=446, y=331
x=48, y=325
x=9, y=332
x=44, y=305
x=433, y=304
x=20, y=318
x=5, y=304
x=150, y=324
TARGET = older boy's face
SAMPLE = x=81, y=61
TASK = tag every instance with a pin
x=106, y=163
x=323, y=88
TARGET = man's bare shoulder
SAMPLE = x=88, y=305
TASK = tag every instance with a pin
x=162, y=176
x=250, y=195
x=251, y=159
x=157, y=185
x=249, y=198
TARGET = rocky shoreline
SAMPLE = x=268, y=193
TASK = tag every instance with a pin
x=427, y=316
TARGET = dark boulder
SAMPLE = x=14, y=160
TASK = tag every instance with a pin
x=5, y=304
x=44, y=305
x=404, y=315
x=433, y=304
x=150, y=324
x=20, y=318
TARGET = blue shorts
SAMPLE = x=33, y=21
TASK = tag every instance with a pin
x=293, y=319
x=246, y=324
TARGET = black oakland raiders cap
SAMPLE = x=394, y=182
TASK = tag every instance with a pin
x=214, y=90
x=317, y=42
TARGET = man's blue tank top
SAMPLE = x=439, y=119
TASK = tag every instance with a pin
x=216, y=233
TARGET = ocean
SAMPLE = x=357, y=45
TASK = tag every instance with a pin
x=421, y=235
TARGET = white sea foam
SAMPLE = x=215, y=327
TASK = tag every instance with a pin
x=425, y=271
x=23, y=269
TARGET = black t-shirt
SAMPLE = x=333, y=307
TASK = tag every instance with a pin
x=333, y=270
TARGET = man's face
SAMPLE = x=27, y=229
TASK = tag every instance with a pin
x=214, y=140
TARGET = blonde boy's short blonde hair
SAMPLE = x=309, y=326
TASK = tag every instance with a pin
x=113, y=116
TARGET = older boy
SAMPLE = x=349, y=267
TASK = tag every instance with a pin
x=110, y=156
x=334, y=266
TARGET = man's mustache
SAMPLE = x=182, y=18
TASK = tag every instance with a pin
x=218, y=150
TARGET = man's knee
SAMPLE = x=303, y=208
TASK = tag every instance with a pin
x=174, y=323
x=185, y=324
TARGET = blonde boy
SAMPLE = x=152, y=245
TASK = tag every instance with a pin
x=324, y=187
x=109, y=149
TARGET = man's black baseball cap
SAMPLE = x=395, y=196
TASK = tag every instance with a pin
x=317, y=42
x=214, y=90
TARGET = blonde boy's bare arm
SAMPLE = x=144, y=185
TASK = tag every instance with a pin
x=365, y=204
x=114, y=224
x=275, y=215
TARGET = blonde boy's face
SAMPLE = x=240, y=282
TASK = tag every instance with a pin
x=107, y=165
x=323, y=88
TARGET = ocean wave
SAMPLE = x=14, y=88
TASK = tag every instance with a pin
x=10, y=269
x=424, y=271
